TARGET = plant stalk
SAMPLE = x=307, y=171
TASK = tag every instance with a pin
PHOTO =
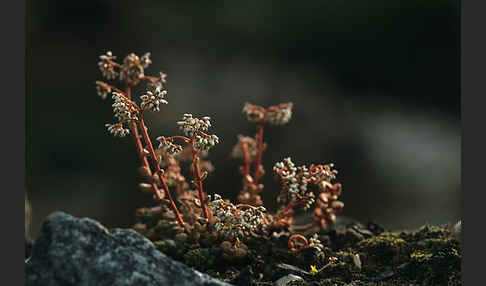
x=155, y=162
x=197, y=176
x=138, y=145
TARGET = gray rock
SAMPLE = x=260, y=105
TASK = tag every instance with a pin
x=291, y=268
x=284, y=281
x=73, y=251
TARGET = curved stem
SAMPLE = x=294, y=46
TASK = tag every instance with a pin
x=303, y=228
x=155, y=162
x=185, y=139
x=197, y=177
x=285, y=211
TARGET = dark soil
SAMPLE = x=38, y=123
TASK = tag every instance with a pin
x=353, y=254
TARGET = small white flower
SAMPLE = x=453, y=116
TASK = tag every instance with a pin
x=106, y=67
x=145, y=60
x=168, y=146
x=117, y=130
x=102, y=89
x=152, y=100
x=123, y=108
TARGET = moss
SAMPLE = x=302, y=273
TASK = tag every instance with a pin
x=434, y=265
x=171, y=248
x=429, y=256
x=200, y=258
x=420, y=256
x=385, y=248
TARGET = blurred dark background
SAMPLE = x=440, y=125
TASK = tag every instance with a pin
x=375, y=87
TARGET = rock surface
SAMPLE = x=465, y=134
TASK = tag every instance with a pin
x=287, y=280
x=74, y=251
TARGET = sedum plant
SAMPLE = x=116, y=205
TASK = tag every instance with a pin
x=185, y=210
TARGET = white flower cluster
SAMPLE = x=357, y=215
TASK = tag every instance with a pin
x=106, y=67
x=234, y=222
x=190, y=125
x=204, y=143
x=323, y=173
x=117, y=130
x=288, y=174
x=123, y=108
x=152, y=100
x=132, y=68
x=168, y=146
x=102, y=89
x=294, y=182
x=280, y=114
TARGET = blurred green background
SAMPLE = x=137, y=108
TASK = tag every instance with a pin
x=375, y=87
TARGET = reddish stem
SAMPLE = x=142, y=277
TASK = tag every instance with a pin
x=197, y=176
x=304, y=228
x=138, y=145
x=258, y=162
x=160, y=173
x=297, y=242
x=128, y=89
x=285, y=211
x=246, y=158
x=185, y=139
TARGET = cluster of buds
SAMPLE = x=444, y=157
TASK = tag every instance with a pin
x=190, y=125
x=279, y=114
x=168, y=146
x=123, y=108
x=327, y=204
x=254, y=113
x=133, y=68
x=275, y=115
x=238, y=221
x=322, y=174
x=205, y=142
x=153, y=99
x=294, y=182
x=117, y=130
x=103, y=89
x=131, y=71
x=195, y=128
x=107, y=66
